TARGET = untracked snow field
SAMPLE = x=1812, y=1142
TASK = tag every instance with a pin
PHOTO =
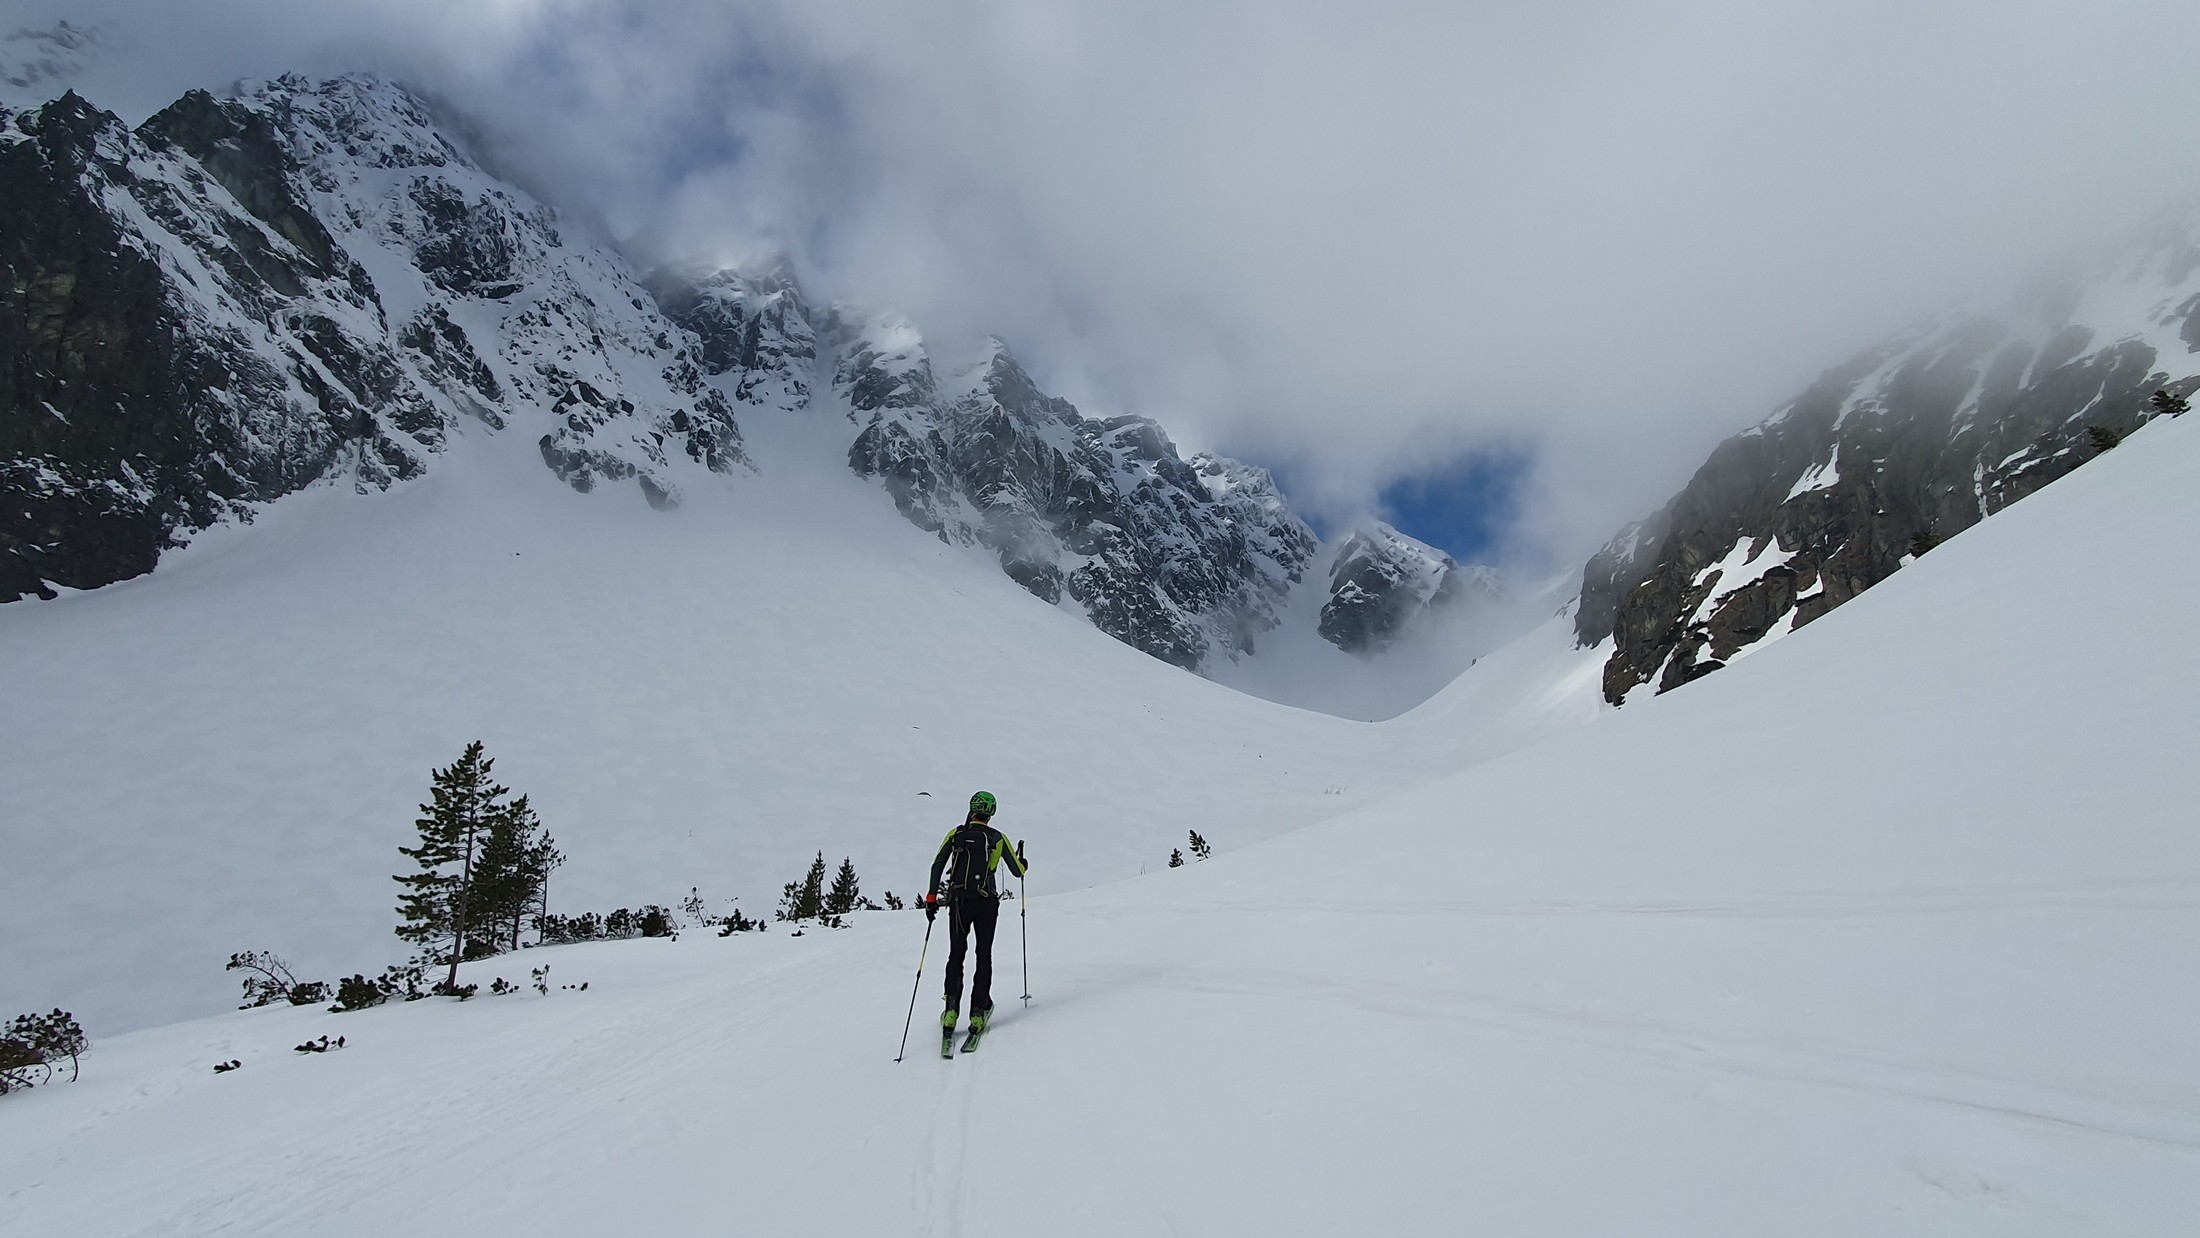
x=1890, y=929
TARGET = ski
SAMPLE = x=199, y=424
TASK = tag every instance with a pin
x=977, y=1033
x=947, y=1043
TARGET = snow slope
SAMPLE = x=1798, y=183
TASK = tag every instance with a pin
x=225, y=755
x=1887, y=971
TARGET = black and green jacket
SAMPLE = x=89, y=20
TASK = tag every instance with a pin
x=991, y=845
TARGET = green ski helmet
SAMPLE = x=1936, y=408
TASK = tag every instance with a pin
x=983, y=804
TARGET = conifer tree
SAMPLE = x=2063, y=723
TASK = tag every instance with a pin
x=1176, y=859
x=844, y=896
x=510, y=877
x=453, y=825
x=805, y=899
x=1200, y=847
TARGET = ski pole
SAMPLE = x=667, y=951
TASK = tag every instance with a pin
x=1023, y=918
x=913, y=987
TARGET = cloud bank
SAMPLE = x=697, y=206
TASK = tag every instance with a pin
x=1359, y=242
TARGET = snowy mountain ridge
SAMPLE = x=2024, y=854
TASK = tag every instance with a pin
x=315, y=282
x=305, y=283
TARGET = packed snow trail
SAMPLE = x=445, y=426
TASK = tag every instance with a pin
x=1886, y=930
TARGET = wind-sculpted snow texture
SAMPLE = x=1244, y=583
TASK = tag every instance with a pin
x=242, y=297
x=1183, y=559
x=1906, y=445
x=1382, y=581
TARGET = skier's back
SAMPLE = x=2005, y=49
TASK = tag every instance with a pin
x=962, y=877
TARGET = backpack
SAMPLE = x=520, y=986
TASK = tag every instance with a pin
x=969, y=871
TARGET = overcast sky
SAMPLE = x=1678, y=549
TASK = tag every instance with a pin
x=1360, y=242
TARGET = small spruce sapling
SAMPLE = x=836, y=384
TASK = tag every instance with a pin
x=893, y=901
x=1176, y=859
x=2103, y=438
x=1200, y=847
x=2168, y=405
x=804, y=899
x=845, y=894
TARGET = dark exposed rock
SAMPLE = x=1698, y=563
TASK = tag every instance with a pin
x=184, y=333
x=1183, y=559
x=754, y=325
x=1381, y=582
x=467, y=246
x=1904, y=446
x=124, y=418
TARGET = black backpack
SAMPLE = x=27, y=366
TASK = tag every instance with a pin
x=969, y=873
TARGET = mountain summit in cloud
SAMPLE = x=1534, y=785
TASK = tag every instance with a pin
x=317, y=283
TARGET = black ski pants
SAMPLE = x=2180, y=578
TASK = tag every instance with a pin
x=964, y=915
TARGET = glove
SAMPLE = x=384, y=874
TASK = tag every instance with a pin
x=931, y=907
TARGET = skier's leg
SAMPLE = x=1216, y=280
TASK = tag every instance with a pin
x=984, y=915
x=958, y=927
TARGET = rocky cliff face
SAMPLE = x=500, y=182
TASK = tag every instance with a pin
x=311, y=282
x=753, y=326
x=1183, y=559
x=1382, y=583
x=1881, y=458
x=315, y=283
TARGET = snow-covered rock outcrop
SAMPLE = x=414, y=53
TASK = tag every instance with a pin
x=1183, y=559
x=241, y=297
x=1382, y=582
x=1908, y=444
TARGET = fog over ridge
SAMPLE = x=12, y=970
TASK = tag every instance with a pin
x=1355, y=245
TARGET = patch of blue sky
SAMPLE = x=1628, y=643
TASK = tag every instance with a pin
x=1464, y=507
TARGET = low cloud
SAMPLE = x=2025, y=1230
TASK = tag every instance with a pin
x=1354, y=241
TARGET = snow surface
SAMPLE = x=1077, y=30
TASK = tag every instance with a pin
x=225, y=755
x=1888, y=930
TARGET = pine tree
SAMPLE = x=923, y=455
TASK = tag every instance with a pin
x=541, y=859
x=499, y=886
x=1200, y=847
x=1176, y=859
x=844, y=896
x=805, y=899
x=2169, y=405
x=511, y=876
x=464, y=803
